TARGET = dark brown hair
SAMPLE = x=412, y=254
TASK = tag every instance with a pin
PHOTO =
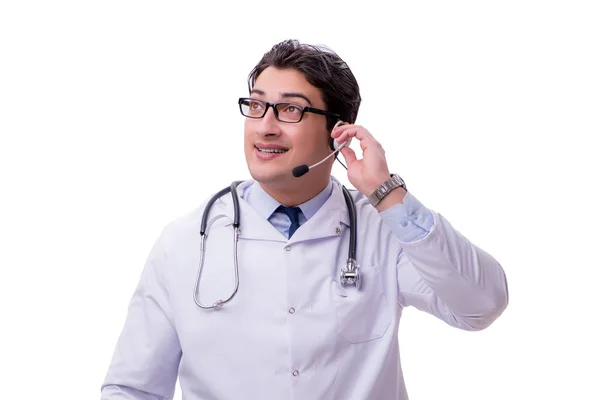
x=323, y=69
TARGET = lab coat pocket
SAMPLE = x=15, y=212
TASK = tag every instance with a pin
x=363, y=314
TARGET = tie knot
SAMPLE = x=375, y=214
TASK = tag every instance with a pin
x=291, y=212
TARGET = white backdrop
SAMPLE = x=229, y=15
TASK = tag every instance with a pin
x=118, y=116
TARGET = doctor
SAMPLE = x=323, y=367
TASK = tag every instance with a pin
x=293, y=329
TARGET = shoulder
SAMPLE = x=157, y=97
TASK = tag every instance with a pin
x=364, y=208
x=189, y=223
x=377, y=244
x=368, y=218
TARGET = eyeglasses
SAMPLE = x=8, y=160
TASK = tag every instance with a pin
x=284, y=112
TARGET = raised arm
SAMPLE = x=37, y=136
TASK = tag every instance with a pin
x=442, y=272
x=439, y=270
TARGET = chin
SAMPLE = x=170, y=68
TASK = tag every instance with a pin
x=267, y=175
x=270, y=173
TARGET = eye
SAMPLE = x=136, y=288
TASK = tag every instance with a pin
x=292, y=109
x=255, y=105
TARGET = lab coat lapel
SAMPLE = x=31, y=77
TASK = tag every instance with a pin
x=331, y=219
x=252, y=225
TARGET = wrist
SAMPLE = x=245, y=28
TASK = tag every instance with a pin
x=376, y=183
x=386, y=194
x=396, y=196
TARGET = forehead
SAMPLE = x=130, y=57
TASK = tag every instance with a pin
x=274, y=82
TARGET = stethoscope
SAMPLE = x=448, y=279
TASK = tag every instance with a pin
x=349, y=273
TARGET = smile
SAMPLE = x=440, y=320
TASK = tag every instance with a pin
x=277, y=151
x=264, y=153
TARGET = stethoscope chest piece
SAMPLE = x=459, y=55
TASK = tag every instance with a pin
x=350, y=275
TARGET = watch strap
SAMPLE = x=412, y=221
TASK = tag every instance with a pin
x=385, y=188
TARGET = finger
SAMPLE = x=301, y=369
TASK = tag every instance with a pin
x=365, y=138
x=362, y=133
x=340, y=129
x=344, y=135
x=349, y=155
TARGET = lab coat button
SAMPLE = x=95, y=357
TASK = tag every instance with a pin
x=296, y=373
x=338, y=230
x=403, y=222
x=288, y=248
x=292, y=310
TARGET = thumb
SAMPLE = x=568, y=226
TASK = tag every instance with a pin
x=349, y=155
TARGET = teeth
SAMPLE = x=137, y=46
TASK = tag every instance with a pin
x=278, y=151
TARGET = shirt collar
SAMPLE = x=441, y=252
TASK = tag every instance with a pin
x=265, y=205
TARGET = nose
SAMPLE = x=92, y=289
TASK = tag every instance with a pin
x=268, y=124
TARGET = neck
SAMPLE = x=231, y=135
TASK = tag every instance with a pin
x=303, y=189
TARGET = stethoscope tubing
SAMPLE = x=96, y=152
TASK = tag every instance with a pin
x=350, y=263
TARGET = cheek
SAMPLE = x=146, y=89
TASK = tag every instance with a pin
x=314, y=147
x=319, y=140
x=247, y=131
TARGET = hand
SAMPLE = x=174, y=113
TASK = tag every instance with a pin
x=371, y=171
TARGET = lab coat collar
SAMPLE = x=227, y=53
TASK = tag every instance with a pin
x=265, y=205
x=330, y=220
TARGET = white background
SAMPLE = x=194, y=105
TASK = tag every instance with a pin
x=118, y=116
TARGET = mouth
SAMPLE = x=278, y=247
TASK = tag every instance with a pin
x=269, y=152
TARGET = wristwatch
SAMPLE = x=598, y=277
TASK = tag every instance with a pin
x=386, y=187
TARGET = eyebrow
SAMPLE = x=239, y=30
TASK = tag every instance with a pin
x=284, y=95
x=288, y=94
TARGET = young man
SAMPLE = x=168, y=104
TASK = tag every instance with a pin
x=295, y=327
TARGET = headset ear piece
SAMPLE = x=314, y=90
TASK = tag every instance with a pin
x=337, y=145
x=333, y=144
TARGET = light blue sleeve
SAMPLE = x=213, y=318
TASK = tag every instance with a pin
x=409, y=221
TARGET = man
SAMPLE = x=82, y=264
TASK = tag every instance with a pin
x=296, y=328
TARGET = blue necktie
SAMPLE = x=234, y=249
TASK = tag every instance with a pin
x=292, y=213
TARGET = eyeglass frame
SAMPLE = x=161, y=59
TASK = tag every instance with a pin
x=276, y=112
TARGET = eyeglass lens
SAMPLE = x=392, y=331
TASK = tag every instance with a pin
x=286, y=112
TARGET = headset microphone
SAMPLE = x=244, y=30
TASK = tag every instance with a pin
x=303, y=169
x=300, y=170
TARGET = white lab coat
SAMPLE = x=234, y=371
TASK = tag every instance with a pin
x=292, y=331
